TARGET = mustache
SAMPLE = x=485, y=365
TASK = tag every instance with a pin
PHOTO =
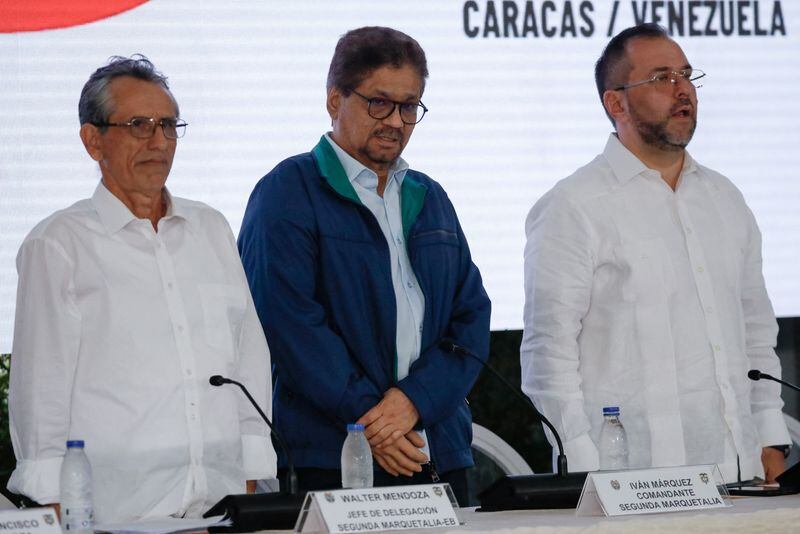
x=392, y=133
x=681, y=103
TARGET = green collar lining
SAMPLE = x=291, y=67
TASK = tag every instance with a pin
x=412, y=193
x=331, y=169
x=412, y=199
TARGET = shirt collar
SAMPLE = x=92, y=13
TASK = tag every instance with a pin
x=359, y=173
x=626, y=165
x=115, y=215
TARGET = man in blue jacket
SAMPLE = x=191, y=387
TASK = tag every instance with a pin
x=359, y=269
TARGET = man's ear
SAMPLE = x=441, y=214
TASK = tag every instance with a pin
x=90, y=135
x=615, y=104
x=334, y=102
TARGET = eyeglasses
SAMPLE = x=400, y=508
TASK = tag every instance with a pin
x=380, y=108
x=145, y=127
x=665, y=80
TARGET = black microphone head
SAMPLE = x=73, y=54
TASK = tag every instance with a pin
x=216, y=380
x=754, y=374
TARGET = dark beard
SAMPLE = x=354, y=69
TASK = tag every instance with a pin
x=656, y=135
x=379, y=158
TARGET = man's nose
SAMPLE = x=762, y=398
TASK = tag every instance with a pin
x=394, y=118
x=158, y=139
x=681, y=85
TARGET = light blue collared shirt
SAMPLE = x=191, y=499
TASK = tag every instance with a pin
x=410, y=301
x=408, y=296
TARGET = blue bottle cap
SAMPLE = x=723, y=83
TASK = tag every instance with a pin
x=611, y=410
x=75, y=444
x=355, y=426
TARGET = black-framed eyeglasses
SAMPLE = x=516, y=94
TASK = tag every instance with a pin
x=379, y=108
x=666, y=80
x=145, y=127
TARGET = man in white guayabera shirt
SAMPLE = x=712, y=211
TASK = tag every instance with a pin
x=644, y=289
x=127, y=302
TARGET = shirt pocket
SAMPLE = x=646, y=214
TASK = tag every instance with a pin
x=224, y=307
x=646, y=270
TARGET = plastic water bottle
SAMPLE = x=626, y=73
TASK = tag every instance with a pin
x=356, y=459
x=613, y=441
x=77, y=508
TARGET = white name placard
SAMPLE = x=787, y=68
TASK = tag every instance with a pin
x=29, y=521
x=649, y=491
x=377, y=509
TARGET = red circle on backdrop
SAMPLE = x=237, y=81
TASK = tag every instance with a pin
x=35, y=15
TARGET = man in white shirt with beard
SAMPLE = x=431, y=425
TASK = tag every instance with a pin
x=644, y=288
x=127, y=303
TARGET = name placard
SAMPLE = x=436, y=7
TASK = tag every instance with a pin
x=649, y=491
x=377, y=509
x=29, y=521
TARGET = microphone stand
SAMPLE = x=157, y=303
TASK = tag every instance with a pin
x=756, y=375
x=789, y=480
x=259, y=511
x=527, y=492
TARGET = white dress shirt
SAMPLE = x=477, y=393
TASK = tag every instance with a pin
x=653, y=300
x=118, y=329
x=409, y=300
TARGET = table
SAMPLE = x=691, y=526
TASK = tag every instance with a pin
x=764, y=515
x=747, y=515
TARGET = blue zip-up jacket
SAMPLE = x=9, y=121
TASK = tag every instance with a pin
x=318, y=267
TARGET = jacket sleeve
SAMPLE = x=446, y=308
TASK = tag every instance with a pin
x=761, y=331
x=279, y=249
x=559, y=267
x=439, y=381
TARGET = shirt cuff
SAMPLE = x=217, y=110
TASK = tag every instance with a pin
x=37, y=479
x=258, y=457
x=772, y=428
x=582, y=454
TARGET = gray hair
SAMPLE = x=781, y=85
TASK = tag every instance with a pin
x=95, y=106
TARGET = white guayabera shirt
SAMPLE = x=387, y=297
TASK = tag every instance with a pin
x=652, y=300
x=118, y=329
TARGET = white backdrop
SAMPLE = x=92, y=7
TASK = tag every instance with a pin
x=509, y=115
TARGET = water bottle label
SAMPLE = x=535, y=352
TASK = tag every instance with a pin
x=356, y=462
x=78, y=519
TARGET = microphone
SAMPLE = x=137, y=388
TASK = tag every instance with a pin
x=218, y=380
x=559, y=490
x=264, y=511
x=789, y=480
x=756, y=375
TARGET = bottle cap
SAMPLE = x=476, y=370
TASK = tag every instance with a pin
x=75, y=444
x=611, y=410
x=355, y=426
